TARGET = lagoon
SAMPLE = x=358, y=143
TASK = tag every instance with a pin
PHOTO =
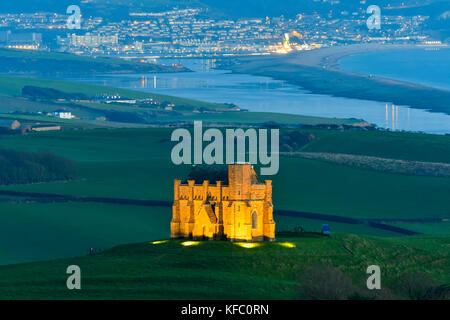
x=256, y=93
x=429, y=67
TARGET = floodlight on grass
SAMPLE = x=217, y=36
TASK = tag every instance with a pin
x=190, y=243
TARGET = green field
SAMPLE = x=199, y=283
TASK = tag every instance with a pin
x=54, y=63
x=40, y=231
x=223, y=270
x=110, y=166
x=348, y=190
x=12, y=86
x=287, y=223
x=11, y=102
x=394, y=145
x=427, y=228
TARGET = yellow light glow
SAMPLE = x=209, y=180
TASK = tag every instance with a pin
x=247, y=245
x=287, y=244
x=190, y=243
x=159, y=242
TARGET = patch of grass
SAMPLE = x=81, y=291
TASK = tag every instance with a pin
x=393, y=145
x=110, y=166
x=39, y=231
x=431, y=243
x=320, y=187
x=11, y=100
x=427, y=228
x=260, y=118
x=218, y=270
x=288, y=223
x=51, y=63
x=12, y=86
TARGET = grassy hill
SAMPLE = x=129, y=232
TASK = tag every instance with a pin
x=13, y=105
x=53, y=63
x=112, y=167
x=395, y=145
x=223, y=270
x=12, y=86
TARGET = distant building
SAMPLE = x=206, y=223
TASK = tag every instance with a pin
x=10, y=124
x=4, y=37
x=63, y=114
x=29, y=40
x=66, y=115
x=238, y=210
x=129, y=101
x=46, y=128
x=91, y=41
x=107, y=98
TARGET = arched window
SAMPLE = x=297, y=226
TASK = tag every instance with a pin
x=254, y=220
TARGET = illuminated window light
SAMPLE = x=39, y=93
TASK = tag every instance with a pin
x=190, y=243
x=247, y=245
x=159, y=242
x=287, y=244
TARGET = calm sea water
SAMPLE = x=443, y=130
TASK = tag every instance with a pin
x=268, y=95
x=428, y=67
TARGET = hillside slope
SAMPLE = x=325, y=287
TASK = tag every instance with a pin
x=233, y=8
x=64, y=64
x=223, y=270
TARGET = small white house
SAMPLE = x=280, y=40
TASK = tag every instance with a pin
x=63, y=114
x=66, y=115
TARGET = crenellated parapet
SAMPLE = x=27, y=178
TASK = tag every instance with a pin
x=239, y=211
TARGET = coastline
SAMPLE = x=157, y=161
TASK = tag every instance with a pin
x=317, y=71
x=328, y=58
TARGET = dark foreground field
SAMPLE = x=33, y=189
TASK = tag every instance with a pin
x=307, y=266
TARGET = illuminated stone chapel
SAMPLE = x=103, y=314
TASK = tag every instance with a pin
x=239, y=209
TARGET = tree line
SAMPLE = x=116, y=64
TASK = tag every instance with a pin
x=21, y=167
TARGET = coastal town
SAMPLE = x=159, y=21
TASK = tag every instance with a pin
x=179, y=33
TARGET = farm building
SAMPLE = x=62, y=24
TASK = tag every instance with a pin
x=63, y=114
x=46, y=128
x=9, y=124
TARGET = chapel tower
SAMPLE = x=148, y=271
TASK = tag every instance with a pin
x=239, y=209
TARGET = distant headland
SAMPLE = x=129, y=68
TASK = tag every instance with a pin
x=317, y=72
